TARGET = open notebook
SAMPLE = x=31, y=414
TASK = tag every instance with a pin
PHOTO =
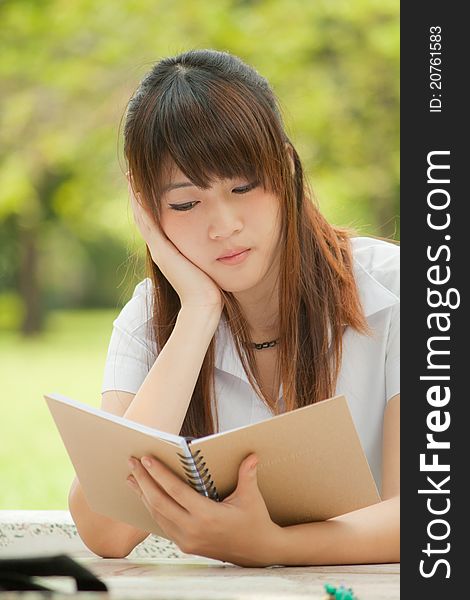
x=311, y=463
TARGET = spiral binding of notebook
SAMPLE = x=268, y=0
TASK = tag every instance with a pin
x=198, y=474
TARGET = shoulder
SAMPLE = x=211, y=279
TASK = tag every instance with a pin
x=138, y=310
x=377, y=272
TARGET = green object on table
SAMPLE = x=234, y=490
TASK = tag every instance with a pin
x=330, y=589
x=340, y=593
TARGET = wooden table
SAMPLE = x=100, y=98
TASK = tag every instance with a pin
x=158, y=569
x=199, y=579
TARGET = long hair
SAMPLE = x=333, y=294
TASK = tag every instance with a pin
x=214, y=116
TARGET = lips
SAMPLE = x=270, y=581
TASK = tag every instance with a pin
x=233, y=252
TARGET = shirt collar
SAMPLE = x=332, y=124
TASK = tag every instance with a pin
x=226, y=356
x=373, y=295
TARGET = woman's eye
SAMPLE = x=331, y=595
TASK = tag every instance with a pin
x=189, y=205
x=245, y=188
x=186, y=206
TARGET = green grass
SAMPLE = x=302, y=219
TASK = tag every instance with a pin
x=68, y=358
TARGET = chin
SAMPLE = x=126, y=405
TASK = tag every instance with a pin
x=237, y=286
x=233, y=289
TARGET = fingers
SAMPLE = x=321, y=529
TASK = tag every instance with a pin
x=247, y=483
x=147, y=226
x=156, y=499
x=177, y=489
x=140, y=213
x=138, y=207
x=168, y=526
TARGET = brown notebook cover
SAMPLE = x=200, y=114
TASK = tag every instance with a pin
x=311, y=463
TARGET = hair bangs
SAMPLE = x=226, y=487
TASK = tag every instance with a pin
x=212, y=130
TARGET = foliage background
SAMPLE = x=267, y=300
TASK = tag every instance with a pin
x=70, y=255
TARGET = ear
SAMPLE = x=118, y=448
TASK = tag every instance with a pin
x=135, y=195
x=129, y=178
x=290, y=155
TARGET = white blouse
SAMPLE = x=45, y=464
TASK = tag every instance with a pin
x=370, y=371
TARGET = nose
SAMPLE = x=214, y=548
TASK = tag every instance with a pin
x=224, y=221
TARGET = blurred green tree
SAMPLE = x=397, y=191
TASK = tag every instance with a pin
x=68, y=69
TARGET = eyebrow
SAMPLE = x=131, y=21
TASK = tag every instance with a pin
x=176, y=186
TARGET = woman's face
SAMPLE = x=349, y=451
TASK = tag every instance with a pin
x=231, y=215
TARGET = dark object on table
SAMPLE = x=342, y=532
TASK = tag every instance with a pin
x=18, y=573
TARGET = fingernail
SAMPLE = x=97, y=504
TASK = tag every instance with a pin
x=131, y=483
x=146, y=462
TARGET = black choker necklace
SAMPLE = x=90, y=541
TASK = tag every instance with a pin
x=265, y=344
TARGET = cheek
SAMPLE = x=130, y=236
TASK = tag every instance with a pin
x=182, y=234
x=266, y=218
x=176, y=231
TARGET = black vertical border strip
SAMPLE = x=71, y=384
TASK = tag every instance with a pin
x=423, y=132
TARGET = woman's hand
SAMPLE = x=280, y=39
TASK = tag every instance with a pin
x=194, y=287
x=238, y=530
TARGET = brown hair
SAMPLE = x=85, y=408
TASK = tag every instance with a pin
x=214, y=116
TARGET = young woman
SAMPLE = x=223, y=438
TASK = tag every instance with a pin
x=253, y=305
